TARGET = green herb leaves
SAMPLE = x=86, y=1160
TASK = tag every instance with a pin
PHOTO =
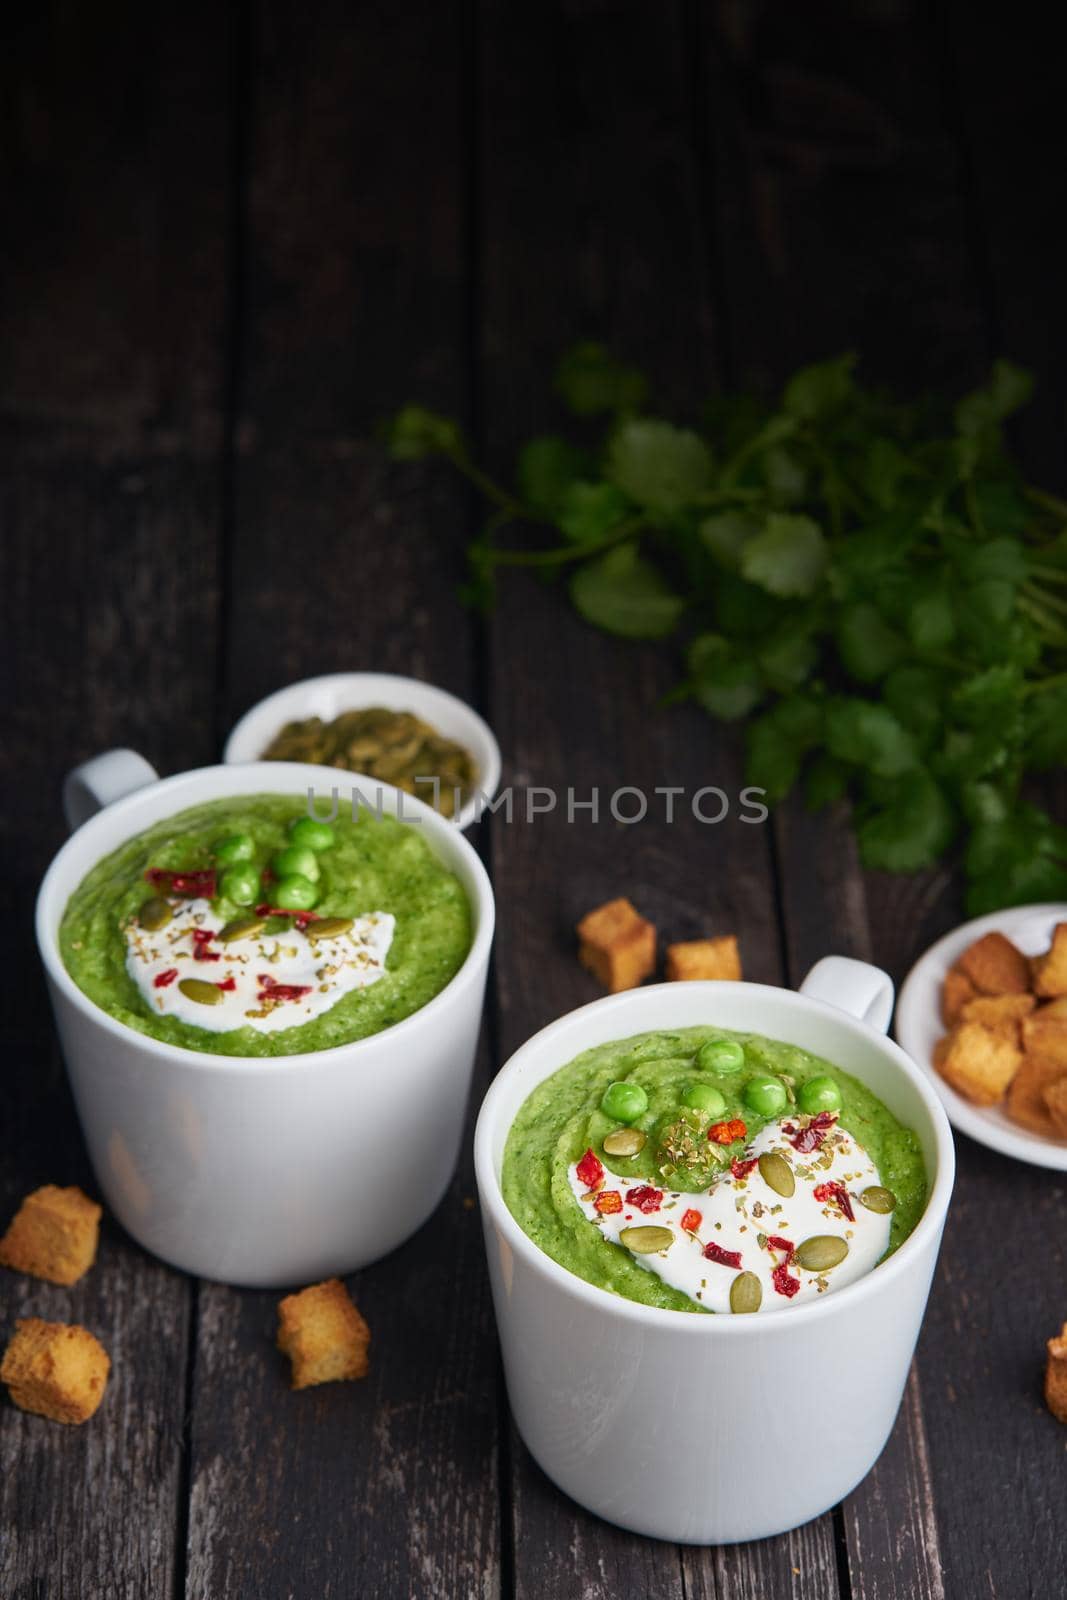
x=871, y=585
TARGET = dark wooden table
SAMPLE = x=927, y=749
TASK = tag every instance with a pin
x=232, y=240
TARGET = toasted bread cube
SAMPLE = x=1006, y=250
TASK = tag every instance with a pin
x=55, y=1369
x=956, y=990
x=1045, y=1032
x=995, y=966
x=704, y=958
x=617, y=944
x=1001, y=1012
x=1050, y=970
x=1056, y=1102
x=1056, y=1376
x=53, y=1235
x=1026, y=1094
x=979, y=1063
x=323, y=1335
x=941, y=1049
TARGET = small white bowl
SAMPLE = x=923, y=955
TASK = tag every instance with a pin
x=918, y=1027
x=328, y=697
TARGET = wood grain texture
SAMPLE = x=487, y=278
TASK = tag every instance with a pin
x=608, y=218
x=353, y=288
x=111, y=351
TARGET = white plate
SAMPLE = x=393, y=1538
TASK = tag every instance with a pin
x=350, y=691
x=918, y=1027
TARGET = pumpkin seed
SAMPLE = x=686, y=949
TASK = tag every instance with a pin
x=241, y=928
x=777, y=1174
x=746, y=1293
x=821, y=1252
x=155, y=913
x=328, y=927
x=647, y=1240
x=624, y=1142
x=878, y=1199
x=205, y=994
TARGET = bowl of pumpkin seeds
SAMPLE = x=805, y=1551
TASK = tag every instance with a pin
x=379, y=725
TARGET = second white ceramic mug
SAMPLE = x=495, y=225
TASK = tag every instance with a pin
x=263, y=1170
x=713, y=1429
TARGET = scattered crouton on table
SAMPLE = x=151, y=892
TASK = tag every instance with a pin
x=1056, y=1376
x=55, y=1369
x=617, y=944
x=323, y=1335
x=704, y=958
x=53, y=1235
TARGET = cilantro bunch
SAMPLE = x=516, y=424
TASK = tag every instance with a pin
x=871, y=584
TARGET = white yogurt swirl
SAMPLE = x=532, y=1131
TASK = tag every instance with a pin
x=743, y=1215
x=248, y=972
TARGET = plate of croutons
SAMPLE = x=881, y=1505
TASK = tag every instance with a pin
x=984, y=1013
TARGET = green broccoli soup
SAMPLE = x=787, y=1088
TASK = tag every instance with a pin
x=246, y=927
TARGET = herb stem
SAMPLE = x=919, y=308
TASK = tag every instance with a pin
x=1051, y=602
x=561, y=554
x=492, y=491
x=1051, y=502
x=1048, y=574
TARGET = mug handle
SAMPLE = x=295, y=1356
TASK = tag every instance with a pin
x=95, y=784
x=859, y=988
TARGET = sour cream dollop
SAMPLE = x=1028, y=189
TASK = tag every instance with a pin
x=158, y=961
x=744, y=1215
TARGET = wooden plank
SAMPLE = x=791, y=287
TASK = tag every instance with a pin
x=833, y=229
x=110, y=396
x=590, y=228
x=354, y=303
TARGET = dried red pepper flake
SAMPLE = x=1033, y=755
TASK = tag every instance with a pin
x=724, y=1258
x=227, y=985
x=741, y=1168
x=776, y=1242
x=837, y=1194
x=198, y=885
x=202, y=937
x=608, y=1202
x=783, y=1282
x=644, y=1197
x=691, y=1221
x=162, y=979
x=269, y=990
x=727, y=1132
x=590, y=1171
x=811, y=1137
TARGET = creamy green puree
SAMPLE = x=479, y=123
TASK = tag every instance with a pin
x=563, y=1118
x=372, y=864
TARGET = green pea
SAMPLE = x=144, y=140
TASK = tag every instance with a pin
x=296, y=860
x=765, y=1094
x=312, y=835
x=720, y=1055
x=295, y=893
x=236, y=847
x=241, y=885
x=819, y=1094
x=625, y=1102
x=705, y=1097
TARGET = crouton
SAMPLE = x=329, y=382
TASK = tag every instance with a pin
x=1026, y=1093
x=1045, y=1033
x=979, y=1063
x=323, y=1335
x=1056, y=1102
x=55, y=1369
x=1050, y=970
x=1001, y=1012
x=995, y=966
x=941, y=1049
x=53, y=1235
x=704, y=958
x=956, y=990
x=617, y=944
x=1056, y=1376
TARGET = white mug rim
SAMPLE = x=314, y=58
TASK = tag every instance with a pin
x=686, y=1324
x=483, y=908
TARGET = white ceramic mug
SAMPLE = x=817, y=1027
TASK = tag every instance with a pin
x=263, y=1170
x=713, y=1429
